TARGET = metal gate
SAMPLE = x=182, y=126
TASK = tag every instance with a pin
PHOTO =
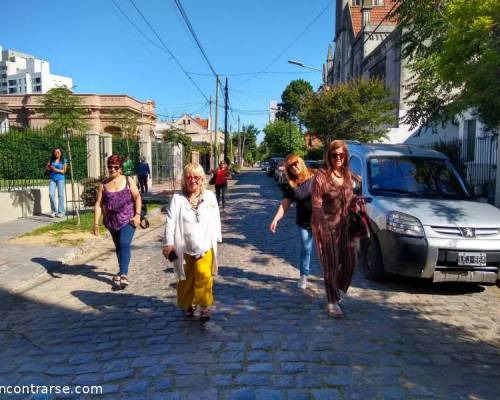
x=479, y=154
x=166, y=165
x=103, y=157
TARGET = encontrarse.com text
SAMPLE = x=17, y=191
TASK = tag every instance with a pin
x=43, y=389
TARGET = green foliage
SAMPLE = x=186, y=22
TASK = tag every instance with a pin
x=247, y=138
x=235, y=168
x=277, y=139
x=64, y=109
x=294, y=96
x=316, y=153
x=452, y=150
x=175, y=135
x=124, y=146
x=90, y=187
x=453, y=49
x=357, y=110
x=202, y=148
x=128, y=123
x=24, y=153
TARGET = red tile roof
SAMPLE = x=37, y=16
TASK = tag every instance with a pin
x=378, y=13
x=202, y=122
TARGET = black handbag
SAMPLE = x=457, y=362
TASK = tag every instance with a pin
x=212, y=180
x=357, y=219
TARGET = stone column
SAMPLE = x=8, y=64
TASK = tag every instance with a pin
x=145, y=149
x=93, y=156
x=108, y=146
x=497, y=185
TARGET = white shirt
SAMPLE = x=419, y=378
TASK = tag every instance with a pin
x=188, y=236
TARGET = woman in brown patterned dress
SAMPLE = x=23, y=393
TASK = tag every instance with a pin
x=332, y=194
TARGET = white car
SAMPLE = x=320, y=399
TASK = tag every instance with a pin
x=423, y=219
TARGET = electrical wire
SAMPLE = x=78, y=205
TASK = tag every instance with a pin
x=168, y=50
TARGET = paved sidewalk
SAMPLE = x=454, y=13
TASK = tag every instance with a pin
x=402, y=339
x=20, y=264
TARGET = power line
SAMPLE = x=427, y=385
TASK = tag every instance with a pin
x=169, y=52
x=191, y=29
x=136, y=27
x=329, y=3
x=256, y=73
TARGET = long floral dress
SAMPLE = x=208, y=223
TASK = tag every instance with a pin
x=331, y=202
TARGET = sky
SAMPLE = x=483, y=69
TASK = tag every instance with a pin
x=106, y=47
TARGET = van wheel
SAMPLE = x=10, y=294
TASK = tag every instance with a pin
x=371, y=259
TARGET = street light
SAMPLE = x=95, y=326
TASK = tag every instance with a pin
x=301, y=64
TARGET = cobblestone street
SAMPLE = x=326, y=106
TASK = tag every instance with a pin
x=402, y=339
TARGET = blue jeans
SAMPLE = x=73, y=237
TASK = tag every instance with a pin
x=60, y=196
x=306, y=240
x=122, y=239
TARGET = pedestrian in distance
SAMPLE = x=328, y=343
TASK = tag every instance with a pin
x=128, y=166
x=143, y=173
x=298, y=190
x=56, y=167
x=119, y=200
x=332, y=197
x=222, y=175
x=192, y=232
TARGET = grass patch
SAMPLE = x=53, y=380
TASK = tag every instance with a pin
x=58, y=229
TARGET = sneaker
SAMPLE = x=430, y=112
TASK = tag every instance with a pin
x=60, y=215
x=302, y=282
x=334, y=310
x=52, y=214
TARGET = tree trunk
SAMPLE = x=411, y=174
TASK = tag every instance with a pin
x=75, y=201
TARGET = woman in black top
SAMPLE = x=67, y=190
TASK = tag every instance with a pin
x=298, y=190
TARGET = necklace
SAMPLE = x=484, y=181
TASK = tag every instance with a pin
x=337, y=174
x=195, y=200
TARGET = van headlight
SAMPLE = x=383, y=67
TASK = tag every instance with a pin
x=404, y=224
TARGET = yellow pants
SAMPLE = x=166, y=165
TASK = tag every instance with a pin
x=197, y=288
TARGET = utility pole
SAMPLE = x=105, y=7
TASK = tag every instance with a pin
x=211, y=162
x=290, y=132
x=225, y=121
x=216, y=154
x=239, y=142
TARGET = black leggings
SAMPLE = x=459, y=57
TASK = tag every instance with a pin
x=220, y=192
x=143, y=183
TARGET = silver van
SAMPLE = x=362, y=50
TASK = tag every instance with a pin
x=423, y=219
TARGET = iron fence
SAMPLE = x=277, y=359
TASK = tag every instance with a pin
x=24, y=153
x=124, y=146
x=166, y=163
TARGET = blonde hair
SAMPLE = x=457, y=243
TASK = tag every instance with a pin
x=304, y=174
x=194, y=169
x=345, y=170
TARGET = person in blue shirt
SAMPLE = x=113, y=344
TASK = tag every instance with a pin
x=143, y=172
x=57, y=167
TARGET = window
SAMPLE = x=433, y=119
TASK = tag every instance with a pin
x=470, y=139
x=356, y=167
x=37, y=80
x=378, y=71
x=357, y=2
x=12, y=82
x=4, y=84
x=12, y=90
x=378, y=2
x=38, y=88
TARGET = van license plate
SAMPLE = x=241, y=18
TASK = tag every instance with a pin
x=474, y=259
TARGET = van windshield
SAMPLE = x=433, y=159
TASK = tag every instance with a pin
x=415, y=177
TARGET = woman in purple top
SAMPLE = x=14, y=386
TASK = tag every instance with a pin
x=119, y=199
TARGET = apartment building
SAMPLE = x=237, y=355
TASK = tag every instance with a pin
x=22, y=73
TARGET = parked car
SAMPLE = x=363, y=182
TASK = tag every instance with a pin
x=273, y=162
x=314, y=164
x=264, y=165
x=279, y=170
x=423, y=219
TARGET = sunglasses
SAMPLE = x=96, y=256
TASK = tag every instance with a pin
x=294, y=164
x=340, y=156
x=114, y=167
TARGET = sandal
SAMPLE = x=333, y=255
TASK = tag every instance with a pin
x=124, y=281
x=116, y=279
x=190, y=312
x=334, y=310
x=204, y=315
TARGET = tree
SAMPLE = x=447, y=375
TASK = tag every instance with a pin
x=357, y=110
x=67, y=116
x=453, y=52
x=246, y=143
x=127, y=121
x=294, y=96
x=177, y=136
x=277, y=138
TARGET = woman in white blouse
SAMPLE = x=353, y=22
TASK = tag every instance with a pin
x=191, y=235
